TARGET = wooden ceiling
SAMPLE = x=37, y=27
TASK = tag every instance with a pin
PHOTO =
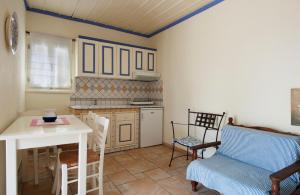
x=142, y=16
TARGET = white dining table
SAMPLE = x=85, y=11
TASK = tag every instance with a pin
x=22, y=135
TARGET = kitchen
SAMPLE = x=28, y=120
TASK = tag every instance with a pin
x=123, y=87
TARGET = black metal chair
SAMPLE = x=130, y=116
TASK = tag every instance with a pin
x=208, y=121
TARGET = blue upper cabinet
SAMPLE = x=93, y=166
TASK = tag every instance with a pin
x=144, y=59
x=87, y=58
x=151, y=59
x=139, y=59
x=107, y=60
x=124, y=59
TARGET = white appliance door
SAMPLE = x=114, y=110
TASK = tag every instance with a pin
x=151, y=126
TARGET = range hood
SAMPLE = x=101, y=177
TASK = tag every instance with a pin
x=146, y=75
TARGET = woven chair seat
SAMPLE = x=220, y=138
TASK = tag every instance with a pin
x=71, y=157
x=188, y=141
x=68, y=147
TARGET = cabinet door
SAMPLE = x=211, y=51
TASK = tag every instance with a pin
x=139, y=59
x=107, y=60
x=125, y=129
x=125, y=133
x=151, y=60
x=124, y=58
x=87, y=58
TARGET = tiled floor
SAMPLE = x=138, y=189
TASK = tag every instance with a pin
x=138, y=171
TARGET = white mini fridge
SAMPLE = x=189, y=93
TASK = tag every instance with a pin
x=151, y=126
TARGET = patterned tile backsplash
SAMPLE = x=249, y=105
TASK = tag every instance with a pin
x=113, y=89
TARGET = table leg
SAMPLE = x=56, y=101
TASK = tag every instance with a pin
x=82, y=164
x=11, y=167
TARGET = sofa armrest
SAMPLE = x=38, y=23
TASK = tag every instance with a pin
x=202, y=146
x=281, y=175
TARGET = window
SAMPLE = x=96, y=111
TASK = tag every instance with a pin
x=49, y=62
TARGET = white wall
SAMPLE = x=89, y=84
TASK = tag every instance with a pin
x=46, y=24
x=11, y=76
x=241, y=57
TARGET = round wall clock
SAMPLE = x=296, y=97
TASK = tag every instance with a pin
x=12, y=32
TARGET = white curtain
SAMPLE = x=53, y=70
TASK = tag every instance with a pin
x=50, y=59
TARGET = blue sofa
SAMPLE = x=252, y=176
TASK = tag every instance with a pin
x=245, y=162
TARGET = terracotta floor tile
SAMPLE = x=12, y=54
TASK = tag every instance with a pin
x=157, y=174
x=115, y=154
x=136, y=156
x=138, y=171
x=142, y=186
x=110, y=189
x=160, y=149
x=139, y=166
x=123, y=158
x=106, y=178
x=172, y=172
x=174, y=186
x=121, y=177
x=137, y=150
x=151, y=156
x=112, y=168
x=109, y=160
x=181, y=170
x=140, y=175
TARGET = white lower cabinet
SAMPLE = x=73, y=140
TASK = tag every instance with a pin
x=123, y=129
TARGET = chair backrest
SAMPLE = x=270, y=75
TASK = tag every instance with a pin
x=100, y=133
x=268, y=150
x=90, y=121
x=209, y=121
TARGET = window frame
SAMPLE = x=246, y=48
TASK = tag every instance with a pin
x=30, y=89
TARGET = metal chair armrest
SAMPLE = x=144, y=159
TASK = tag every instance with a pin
x=173, y=127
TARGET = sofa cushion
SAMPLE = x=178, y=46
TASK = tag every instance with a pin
x=271, y=151
x=233, y=177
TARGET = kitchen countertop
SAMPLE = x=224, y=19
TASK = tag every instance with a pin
x=83, y=107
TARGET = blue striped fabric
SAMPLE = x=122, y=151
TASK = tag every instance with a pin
x=232, y=177
x=270, y=151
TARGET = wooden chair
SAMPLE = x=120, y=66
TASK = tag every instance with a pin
x=90, y=121
x=68, y=161
x=208, y=121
